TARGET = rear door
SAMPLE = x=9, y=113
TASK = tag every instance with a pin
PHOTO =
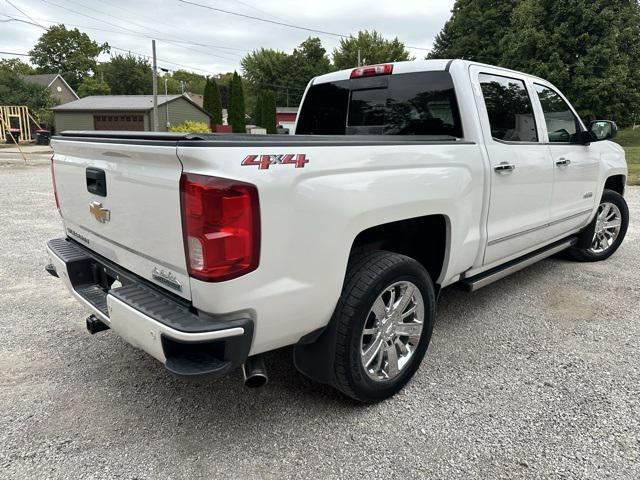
x=123, y=202
x=521, y=168
x=576, y=167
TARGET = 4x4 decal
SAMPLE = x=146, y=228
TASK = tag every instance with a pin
x=265, y=161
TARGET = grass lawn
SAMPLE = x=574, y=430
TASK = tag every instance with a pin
x=630, y=141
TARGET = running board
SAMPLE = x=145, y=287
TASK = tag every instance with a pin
x=483, y=279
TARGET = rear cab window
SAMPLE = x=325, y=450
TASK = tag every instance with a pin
x=509, y=108
x=421, y=103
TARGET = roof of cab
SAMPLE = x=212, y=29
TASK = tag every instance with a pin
x=398, y=67
x=412, y=66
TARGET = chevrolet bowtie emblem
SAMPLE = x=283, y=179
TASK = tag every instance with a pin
x=101, y=214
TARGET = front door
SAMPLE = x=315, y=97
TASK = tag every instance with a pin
x=521, y=175
x=576, y=167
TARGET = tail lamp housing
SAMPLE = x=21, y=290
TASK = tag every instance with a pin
x=221, y=227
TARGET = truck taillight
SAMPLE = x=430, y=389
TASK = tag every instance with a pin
x=53, y=180
x=372, y=70
x=221, y=226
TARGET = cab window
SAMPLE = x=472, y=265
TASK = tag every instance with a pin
x=421, y=103
x=562, y=124
x=509, y=108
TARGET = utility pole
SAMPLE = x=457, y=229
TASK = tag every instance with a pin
x=155, y=88
x=182, y=86
x=359, y=58
x=166, y=100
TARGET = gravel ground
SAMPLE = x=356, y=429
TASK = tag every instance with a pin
x=535, y=376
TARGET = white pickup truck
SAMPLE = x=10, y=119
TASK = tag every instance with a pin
x=401, y=179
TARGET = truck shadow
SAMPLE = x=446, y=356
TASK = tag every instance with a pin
x=127, y=382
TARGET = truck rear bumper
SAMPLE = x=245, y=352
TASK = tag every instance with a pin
x=167, y=327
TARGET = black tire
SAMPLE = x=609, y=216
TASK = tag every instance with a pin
x=584, y=253
x=367, y=277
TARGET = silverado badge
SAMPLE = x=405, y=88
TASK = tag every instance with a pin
x=166, y=278
x=102, y=214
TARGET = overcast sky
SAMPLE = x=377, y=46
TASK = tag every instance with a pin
x=132, y=23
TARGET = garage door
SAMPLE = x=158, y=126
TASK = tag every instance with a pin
x=119, y=121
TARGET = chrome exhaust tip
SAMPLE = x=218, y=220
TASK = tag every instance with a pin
x=255, y=372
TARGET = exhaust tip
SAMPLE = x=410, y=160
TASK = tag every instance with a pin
x=255, y=372
x=256, y=381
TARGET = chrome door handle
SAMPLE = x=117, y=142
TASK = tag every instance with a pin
x=504, y=167
x=563, y=162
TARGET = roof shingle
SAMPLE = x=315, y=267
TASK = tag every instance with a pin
x=115, y=102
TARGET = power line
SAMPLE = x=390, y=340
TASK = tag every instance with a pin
x=115, y=48
x=13, y=19
x=22, y=12
x=177, y=43
x=125, y=28
x=52, y=22
x=14, y=53
x=251, y=17
x=282, y=24
x=253, y=7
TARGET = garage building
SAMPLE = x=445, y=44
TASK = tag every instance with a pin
x=126, y=112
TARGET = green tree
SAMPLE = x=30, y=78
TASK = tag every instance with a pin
x=257, y=111
x=128, y=75
x=70, y=53
x=211, y=101
x=373, y=47
x=474, y=31
x=589, y=50
x=15, y=91
x=268, y=111
x=93, y=86
x=287, y=73
x=237, y=118
x=16, y=66
x=193, y=82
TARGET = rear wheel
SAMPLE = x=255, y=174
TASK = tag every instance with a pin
x=609, y=229
x=385, y=319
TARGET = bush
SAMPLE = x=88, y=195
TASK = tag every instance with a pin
x=190, y=127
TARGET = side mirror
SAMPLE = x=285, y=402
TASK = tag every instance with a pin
x=602, y=130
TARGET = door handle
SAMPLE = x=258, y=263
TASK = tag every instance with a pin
x=504, y=167
x=563, y=162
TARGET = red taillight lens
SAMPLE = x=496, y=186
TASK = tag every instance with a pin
x=372, y=70
x=221, y=226
x=53, y=179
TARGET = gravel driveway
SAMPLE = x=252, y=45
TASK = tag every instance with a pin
x=534, y=376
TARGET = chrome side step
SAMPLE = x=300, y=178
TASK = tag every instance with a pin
x=483, y=279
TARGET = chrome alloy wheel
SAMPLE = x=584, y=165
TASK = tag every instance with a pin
x=392, y=331
x=608, y=223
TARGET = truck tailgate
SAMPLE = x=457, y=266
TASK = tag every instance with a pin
x=135, y=220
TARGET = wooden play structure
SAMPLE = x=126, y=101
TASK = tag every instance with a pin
x=16, y=117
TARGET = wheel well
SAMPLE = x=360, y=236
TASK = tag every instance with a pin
x=615, y=183
x=423, y=239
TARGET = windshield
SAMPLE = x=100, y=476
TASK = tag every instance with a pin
x=422, y=103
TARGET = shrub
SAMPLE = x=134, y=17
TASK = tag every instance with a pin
x=190, y=127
